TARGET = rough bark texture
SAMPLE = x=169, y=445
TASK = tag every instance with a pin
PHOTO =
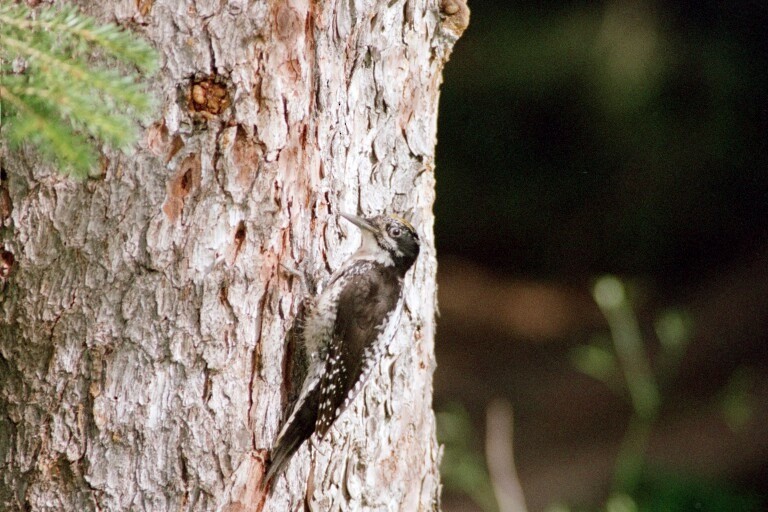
x=144, y=363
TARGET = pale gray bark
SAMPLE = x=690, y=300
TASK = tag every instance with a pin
x=143, y=354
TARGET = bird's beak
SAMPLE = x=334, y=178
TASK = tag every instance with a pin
x=360, y=222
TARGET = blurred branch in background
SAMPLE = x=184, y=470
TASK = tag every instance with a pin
x=463, y=469
x=492, y=483
x=610, y=295
x=499, y=453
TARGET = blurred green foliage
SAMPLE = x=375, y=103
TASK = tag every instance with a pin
x=736, y=400
x=578, y=138
x=659, y=490
x=637, y=487
x=670, y=492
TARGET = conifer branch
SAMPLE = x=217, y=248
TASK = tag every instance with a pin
x=55, y=97
x=68, y=23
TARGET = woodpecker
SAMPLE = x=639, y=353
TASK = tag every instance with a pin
x=347, y=330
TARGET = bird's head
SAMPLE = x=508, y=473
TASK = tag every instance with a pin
x=387, y=239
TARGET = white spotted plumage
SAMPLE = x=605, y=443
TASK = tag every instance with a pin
x=348, y=329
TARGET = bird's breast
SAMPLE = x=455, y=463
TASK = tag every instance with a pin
x=318, y=327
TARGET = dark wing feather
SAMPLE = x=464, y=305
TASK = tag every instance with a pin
x=365, y=305
x=296, y=432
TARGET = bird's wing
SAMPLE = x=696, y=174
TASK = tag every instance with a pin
x=368, y=304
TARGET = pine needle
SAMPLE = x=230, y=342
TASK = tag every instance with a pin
x=54, y=97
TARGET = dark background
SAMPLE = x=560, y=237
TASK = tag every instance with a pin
x=578, y=139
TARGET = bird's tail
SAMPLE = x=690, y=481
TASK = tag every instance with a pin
x=298, y=429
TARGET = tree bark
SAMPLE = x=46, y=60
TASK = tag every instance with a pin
x=144, y=356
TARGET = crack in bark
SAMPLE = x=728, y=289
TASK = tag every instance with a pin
x=256, y=355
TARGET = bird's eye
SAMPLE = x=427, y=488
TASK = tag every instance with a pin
x=395, y=232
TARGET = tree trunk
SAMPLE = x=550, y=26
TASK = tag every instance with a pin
x=144, y=356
